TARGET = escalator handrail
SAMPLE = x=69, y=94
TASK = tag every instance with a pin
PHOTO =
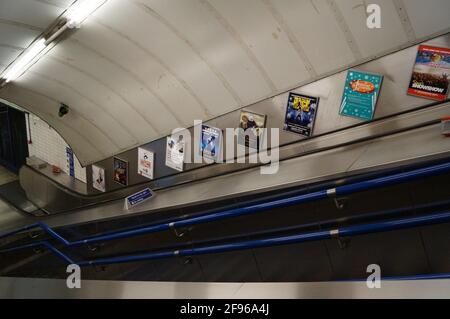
x=355, y=230
x=247, y=210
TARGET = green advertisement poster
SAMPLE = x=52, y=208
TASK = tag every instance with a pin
x=361, y=94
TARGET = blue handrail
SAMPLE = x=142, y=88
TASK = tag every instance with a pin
x=348, y=231
x=256, y=208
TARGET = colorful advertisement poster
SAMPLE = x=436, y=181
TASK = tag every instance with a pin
x=210, y=143
x=98, y=178
x=431, y=73
x=252, y=125
x=175, y=152
x=145, y=163
x=120, y=169
x=361, y=94
x=301, y=113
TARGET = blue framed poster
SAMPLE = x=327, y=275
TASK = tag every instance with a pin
x=361, y=94
x=210, y=143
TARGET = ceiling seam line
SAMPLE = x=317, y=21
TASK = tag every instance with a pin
x=212, y=67
x=291, y=36
x=183, y=83
x=44, y=115
x=82, y=96
x=131, y=74
x=130, y=105
x=405, y=20
x=113, y=118
x=12, y=47
x=21, y=25
x=51, y=4
x=351, y=40
x=104, y=85
x=235, y=35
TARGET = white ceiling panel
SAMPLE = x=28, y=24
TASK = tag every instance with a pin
x=121, y=126
x=215, y=44
x=33, y=13
x=428, y=17
x=373, y=41
x=301, y=18
x=167, y=46
x=265, y=38
x=139, y=68
x=16, y=36
x=8, y=54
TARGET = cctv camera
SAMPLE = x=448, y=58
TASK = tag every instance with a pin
x=63, y=110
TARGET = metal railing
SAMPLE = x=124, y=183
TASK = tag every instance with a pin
x=248, y=210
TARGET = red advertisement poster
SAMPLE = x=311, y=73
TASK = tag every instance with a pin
x=431, y=73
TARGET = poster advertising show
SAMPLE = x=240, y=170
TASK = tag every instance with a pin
x=145, y=163
x=98, y=178
x=301, y=113
x=175, y=146
x=361, y=93
x=120, y=171
x=210, y=143
x=431, y=73
x=252, y=125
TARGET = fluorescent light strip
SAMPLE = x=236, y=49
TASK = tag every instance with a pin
x=80, y=10
x=75, y=15
x=24, y=61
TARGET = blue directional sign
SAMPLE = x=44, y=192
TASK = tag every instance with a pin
x=138, y=198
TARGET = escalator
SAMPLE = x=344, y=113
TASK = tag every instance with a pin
x=326, y=215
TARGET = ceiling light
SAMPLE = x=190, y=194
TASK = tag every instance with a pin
x=80, y=10
x=24, y=61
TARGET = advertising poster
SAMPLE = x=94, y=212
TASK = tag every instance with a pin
x=120, y=169
x=431, y=73
x=211, y=139
x=301, y=113
x=98, y=178
x=361, y=94
x=145, y=163
x=252, y=125
x=175, y=152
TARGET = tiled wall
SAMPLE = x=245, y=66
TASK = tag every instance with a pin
x=49, y=146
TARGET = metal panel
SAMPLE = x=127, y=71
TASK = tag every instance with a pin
x=50, y=288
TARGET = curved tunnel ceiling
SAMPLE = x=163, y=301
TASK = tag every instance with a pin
x=139, y=68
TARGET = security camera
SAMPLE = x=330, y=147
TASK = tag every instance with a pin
x=63, y=110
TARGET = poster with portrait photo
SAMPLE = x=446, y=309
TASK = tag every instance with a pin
x=252, y=129
x=210, y=142
x=175, y=146
x=301, y=113
x=98, y=178
x=120, y=170
x=145, y=163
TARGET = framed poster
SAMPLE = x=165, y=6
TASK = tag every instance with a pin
x=98, y=178
x=431, y=73
x=252, y=125
x=175, y=152
x=145, y=163
x=361, y=94
x=210, y=142
x=301, y=114
x=120, y=169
